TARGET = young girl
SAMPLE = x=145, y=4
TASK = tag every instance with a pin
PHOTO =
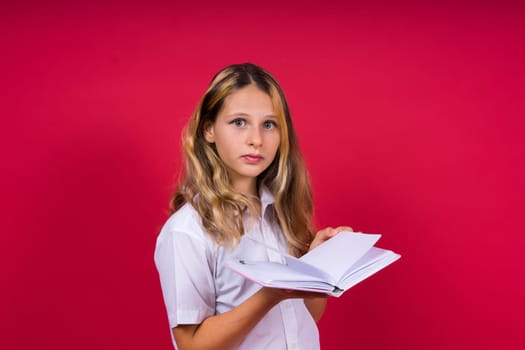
x=245, y=193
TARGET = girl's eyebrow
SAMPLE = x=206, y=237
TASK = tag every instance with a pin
x=242, y=114
x=238, y=114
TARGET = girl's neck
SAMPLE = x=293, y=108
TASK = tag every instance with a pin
x=247, y=187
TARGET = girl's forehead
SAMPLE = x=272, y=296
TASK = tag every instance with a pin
x=249, y=98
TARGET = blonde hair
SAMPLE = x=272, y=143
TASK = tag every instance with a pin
x=205, y=182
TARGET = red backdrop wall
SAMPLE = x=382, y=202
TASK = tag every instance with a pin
x=410, y=118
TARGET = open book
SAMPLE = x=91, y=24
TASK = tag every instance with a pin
x=332, y=268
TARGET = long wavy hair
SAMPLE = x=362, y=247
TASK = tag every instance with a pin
x=205, y=182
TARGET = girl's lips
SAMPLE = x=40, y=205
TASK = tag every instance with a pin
x=252, y=158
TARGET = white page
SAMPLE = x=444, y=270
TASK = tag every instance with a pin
x=336, y=255
x=267, y=272
x=382, y=258
x=373, y=255
x=304, y=267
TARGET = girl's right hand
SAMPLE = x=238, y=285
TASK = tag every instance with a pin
x=277, y=295
x=314, y=302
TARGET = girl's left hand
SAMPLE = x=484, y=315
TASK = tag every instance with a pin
x=326, y=234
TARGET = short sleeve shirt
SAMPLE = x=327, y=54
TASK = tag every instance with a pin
x=196, y=284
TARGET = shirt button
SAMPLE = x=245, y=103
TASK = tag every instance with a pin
x=293, y=345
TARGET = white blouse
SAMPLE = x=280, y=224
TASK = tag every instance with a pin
x=195, y=284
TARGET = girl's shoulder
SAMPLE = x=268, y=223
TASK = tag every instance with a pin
x=187, y=221
x=183, y=237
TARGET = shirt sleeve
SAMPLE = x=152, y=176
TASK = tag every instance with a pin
x=184, y=263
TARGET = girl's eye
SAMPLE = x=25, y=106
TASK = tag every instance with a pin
x=269, y=124
x=238, y=122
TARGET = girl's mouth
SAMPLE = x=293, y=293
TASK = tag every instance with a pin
x=252, y=158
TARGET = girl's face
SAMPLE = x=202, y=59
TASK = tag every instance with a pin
x=246, y=135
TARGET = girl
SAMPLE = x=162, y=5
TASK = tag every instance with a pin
x=245, y=192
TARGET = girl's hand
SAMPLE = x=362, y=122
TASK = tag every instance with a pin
x=280, y=294
x=314, y=302
x=326, y=234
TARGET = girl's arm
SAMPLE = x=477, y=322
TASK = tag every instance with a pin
x=316, y=306
x=227, y=330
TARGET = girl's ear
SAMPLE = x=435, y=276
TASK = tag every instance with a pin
x=209, y=133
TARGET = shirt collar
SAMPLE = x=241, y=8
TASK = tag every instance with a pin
x=266, y=197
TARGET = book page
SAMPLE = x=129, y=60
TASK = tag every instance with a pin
x=331, y=268
x=304, y=268
x=278, y=275
x=336, y=255
x=374, y=260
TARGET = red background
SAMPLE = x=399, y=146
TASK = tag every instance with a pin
x=410, y=118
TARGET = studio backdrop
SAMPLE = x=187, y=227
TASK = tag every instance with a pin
x=410, y=118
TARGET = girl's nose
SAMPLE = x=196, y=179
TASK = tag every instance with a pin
x=254, y=137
